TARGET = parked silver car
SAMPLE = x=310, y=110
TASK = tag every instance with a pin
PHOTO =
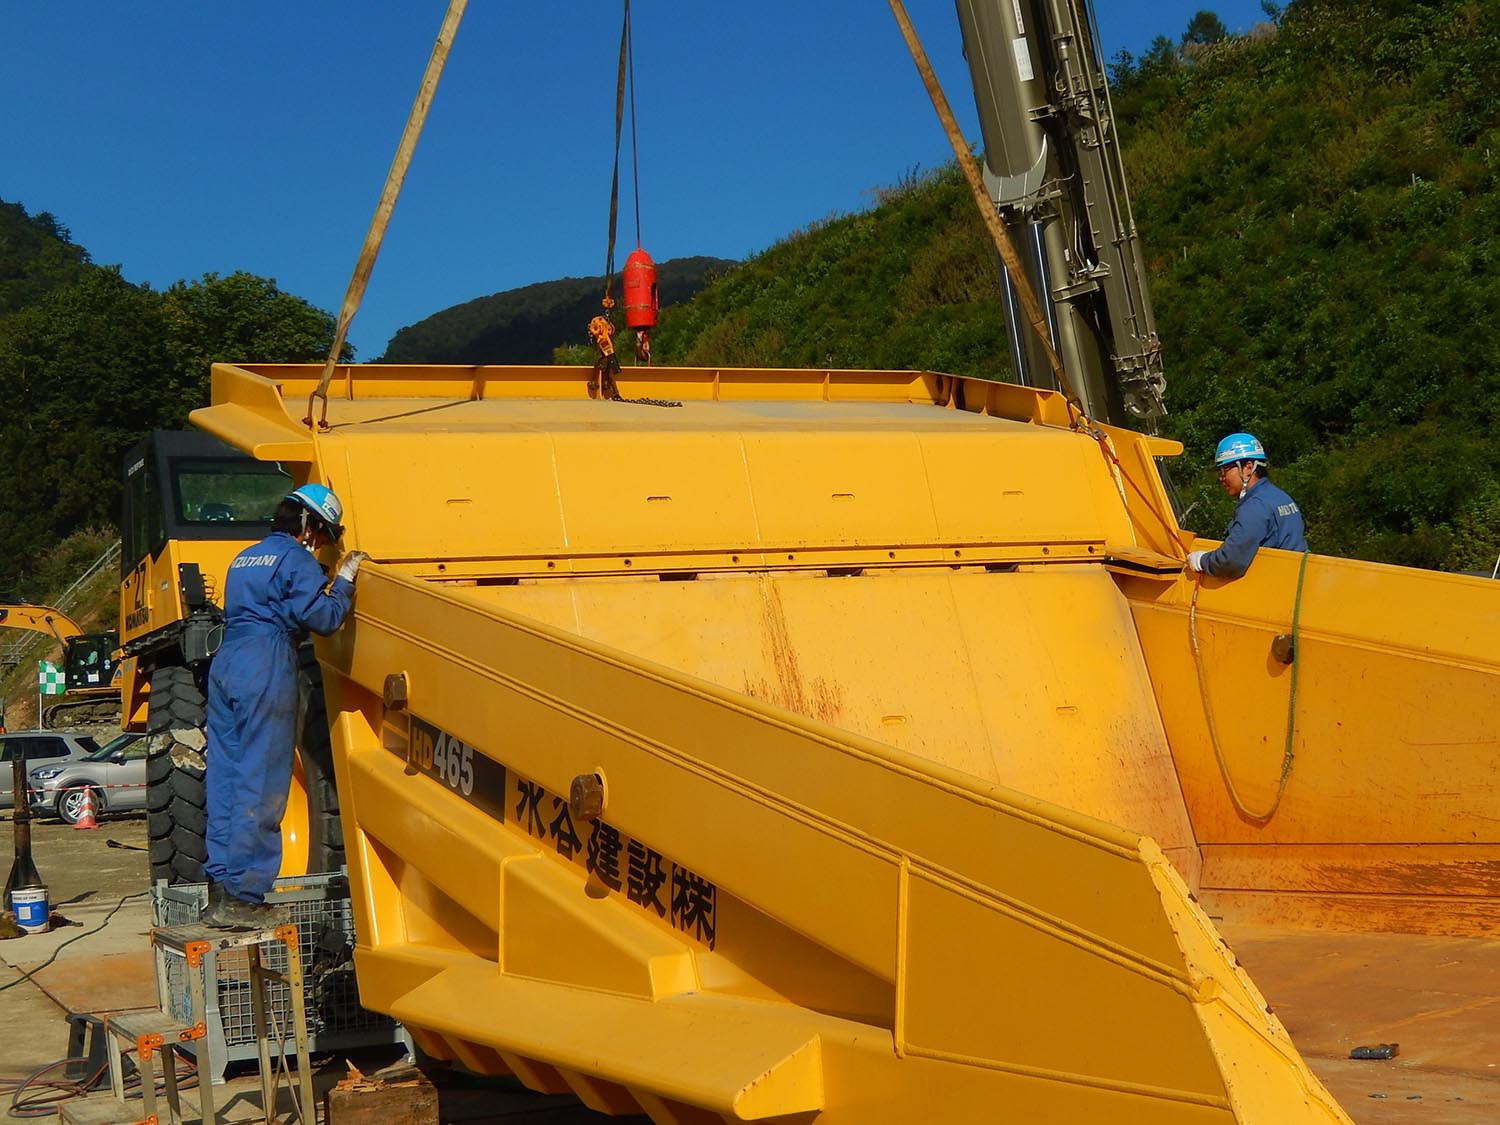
x=115, y=772
x=41, y=748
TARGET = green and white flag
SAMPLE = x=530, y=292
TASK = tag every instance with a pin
x=50, y=679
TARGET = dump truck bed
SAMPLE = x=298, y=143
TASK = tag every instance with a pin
x=822, y=747
x=1438, y=998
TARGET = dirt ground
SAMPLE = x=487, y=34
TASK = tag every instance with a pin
x=103, y=873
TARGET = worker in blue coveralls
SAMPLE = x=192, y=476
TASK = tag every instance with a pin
x=1264, y=517
x=274, y=593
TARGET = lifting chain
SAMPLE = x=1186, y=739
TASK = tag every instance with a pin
x=601, y=328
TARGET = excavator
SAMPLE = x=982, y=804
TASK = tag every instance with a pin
x=90, y=667
x=853, y=746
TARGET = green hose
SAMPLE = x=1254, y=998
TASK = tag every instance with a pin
x=1291, y=712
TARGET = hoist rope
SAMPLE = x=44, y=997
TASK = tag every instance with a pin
x=635, y=156
x=382, y=217
x=1003, y=245
x=614, y=181
x=625, y=74
x=1017, y=274
x=1291, y=708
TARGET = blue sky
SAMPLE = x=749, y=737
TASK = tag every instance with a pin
x=176, y=138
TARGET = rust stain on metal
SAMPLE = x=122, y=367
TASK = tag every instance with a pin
x=817, y=698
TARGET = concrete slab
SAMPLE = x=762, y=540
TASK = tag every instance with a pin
x=87, y=877
x=88, y=873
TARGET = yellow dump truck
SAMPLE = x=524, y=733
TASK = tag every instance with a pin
x=852, y=747
x=190, y=505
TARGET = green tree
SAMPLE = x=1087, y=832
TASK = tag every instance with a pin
x=242, y=318
x=95, y=364
x=1205, y=27
x=36, y=256
x=83, y=373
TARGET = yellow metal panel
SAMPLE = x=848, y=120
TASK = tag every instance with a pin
x=1441, y=889
x=395, y=812
x=815, y=489
x=605, y=950
x=1036, y=485
x=1023, y=678
x=744, y=1060
x=811, y=890
x=713, y=753
x=816, y=828
x=248, y=412
x=356, y=382
x=854, y=459
x=577, y=481
x=1394, y=745
x=1266, y=1081
x=623, y=493
x=445, y=494
x=151, y=594
x=1031, y=1019
x=1398, y=684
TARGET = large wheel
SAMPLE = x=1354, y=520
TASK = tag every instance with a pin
x=325, y=832
x=177, y=799
x=176, y=796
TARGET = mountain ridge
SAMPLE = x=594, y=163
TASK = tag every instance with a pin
x=527, y=324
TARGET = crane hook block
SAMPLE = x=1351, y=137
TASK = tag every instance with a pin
x=638, y=281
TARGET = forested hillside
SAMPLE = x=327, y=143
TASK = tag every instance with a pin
x=1323, y=214
x=1320, y=206
x=527, y=325
x=89, y=363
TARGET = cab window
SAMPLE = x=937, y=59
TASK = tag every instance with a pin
x=34, y=749
x=144, y=532
x=220, y=490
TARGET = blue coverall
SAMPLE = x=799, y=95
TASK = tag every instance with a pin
x=274, y=592
x=1264, y=517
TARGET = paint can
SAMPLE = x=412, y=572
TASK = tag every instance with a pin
x=30, y=906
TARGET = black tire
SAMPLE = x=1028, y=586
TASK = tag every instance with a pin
x=177, y=700
x=190, y=844
x=176, y=800
x=175, y=775
x=325, y=830
x=187, y=816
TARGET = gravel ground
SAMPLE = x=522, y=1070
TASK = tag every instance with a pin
x=88, y=873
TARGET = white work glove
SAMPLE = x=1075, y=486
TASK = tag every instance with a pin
x=1195, y=561
x=349, y=565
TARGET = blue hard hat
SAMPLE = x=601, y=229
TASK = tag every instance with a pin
x=1239, y=447
x=321, y=502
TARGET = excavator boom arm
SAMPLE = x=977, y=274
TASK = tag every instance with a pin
x=39, y=619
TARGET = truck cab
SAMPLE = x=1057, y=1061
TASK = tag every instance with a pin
x=191, y=504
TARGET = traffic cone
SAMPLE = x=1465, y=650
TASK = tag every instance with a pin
x=86, y=818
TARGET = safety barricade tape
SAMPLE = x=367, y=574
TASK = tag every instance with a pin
x=7, y=792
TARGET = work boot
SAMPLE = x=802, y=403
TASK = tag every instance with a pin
x=215, y=900
x=233, y=913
